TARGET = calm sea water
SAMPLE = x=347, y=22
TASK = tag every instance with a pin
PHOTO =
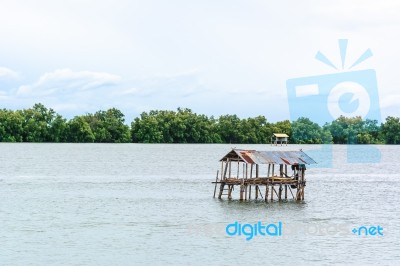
x=134, y=204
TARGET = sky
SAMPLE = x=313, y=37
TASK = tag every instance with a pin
x=214, y=57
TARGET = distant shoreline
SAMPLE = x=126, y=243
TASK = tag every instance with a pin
x=40, y=124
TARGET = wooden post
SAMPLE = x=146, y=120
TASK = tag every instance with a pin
x=269, y=168
x=281, y=170
x=286, y=192
x=249, y=191
x=286, y=175
x=257, y=192
x=280, y=192
x=226, y=169
x=221, y=190
x=301, y=178
x=216, y=180
x=238, y=167
x=298, y=193
x=291, y=192
x=230, y=166
x=222, y=169
x=272, y=192
x=257, y=171
x=266, y=193
x=273, y=169
x=230, y=191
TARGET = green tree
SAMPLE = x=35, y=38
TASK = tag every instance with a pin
x=37, y=121
x=108, y=126
x=354, y=130
x=146, y=129
x=58, y=129
x=347, y=130
x=229, y=128
x=79, y=130
x=182, y=126
x=11, y=126
x=391, y=130
x=304, y=131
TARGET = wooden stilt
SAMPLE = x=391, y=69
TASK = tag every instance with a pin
x=272, y=192
x=226, y=169
x=286, y=192
x=266, y=193
x=241, y=190
x=257, y=171
x=256, y=196
x=291, y=192
x=230, y=168
x=298, y=193
x=230, y=192
x=249, y=191
x=221, y=190
x=280, y=192
x=216, y=180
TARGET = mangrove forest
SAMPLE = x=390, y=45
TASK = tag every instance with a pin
x=42, y=124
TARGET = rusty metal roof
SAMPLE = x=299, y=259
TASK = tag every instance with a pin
x=269, y=157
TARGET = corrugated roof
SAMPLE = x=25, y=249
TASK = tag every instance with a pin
x=280, y=135
x=269, y=157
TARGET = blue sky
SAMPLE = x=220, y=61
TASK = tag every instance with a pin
x=215, y=57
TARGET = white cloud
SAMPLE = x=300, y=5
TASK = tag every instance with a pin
x=245, y=50
x=183, y=84
x=8, y=73
x=66, y=81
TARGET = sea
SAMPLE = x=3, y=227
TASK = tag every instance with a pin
x=152, y=204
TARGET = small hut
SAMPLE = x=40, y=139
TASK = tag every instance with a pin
x=280, y=138
x=249, y=169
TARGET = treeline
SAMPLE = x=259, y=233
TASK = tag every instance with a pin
x=41, y=124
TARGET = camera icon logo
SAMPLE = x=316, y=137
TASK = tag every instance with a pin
x=347, y=93
x=324, y=98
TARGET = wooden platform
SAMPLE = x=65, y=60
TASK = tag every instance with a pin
x=275, y=186
x=259, y=181
x=252, y=170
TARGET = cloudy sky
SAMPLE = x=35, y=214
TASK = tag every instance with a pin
x=215, y=57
